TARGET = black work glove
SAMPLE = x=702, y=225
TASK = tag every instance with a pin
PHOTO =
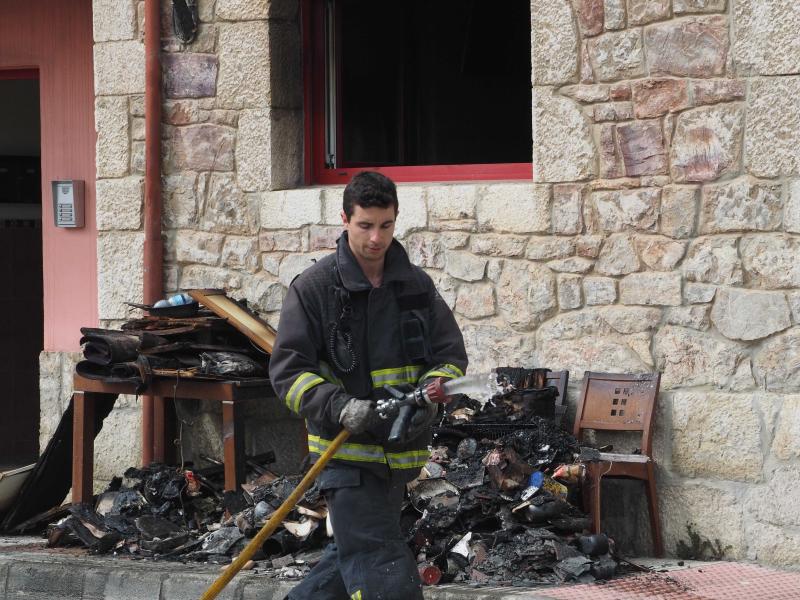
x=423, y=419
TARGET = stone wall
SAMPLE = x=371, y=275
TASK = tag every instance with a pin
x=659, y=232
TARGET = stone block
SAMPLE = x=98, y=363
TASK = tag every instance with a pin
x=244, y=65
x=678, y=211
x=614, y=14
x=198, y=247
x=791, y=213
x=242, y=10
x=642, y=12
x=586, y=93
x=691, y=358
x=119, y=203
x=498, y=244
x=547, y=248
x=290, y=209
x=475, y=300
x=776, y=365
x=188, y=75
x=452, y=202
x=707, y=143
x=612, y=111
x=563, y=149
x=465, y=266
x=618, y=256
x=323, y=236
x=786, y=441
x=770, y=260
x=609, y=155
x=526, y=294
x=775, y=503
x=713, y=91
x=615, y=211
x=263, y=293
x=599, y=290
x=515, y=208
x=227, y=209
x=591, y=15
x=695, y=316
x=588, y=246
x=591, y=354
x=690, y=47
x=201, y=276
x=253, y=150
x=426, y=250
x=271, y=262
x=294, y=264
x=489, y=346
x=772, y=132
x=109, y=78
x=716, y=436
x=118, y=445
x=641, y=144
x=569, y=291
x=113, y=143
x=574, y=264
x=657, y=97
x=711, y=512
x=617, y=55
x=119, y=272
x=742, y=204
x=194, y=585
x=766, y=37
x=714, y=260
x=680, y=7
x=205, y=147
x=286, y=148
x=772, y=545
x=750, y=315
x=794, y=304
x=446, y=286
x=630, y=319
x=698, y=293
x=179, y=193
x=554, y=43
x=567, y=218
x=660, y=253
x=113, y=20
x=40, y=580
x=241, y=253
x=658, y=289
x=413, y=215
x=132, y=586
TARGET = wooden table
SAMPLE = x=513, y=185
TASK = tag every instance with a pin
x=88, y=392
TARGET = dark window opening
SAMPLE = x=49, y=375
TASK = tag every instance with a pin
x=418, y=83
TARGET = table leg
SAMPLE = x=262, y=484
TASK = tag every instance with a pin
x=83, y=446
x=233, y=442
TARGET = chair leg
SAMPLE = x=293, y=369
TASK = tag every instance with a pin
x=652, y=505
x=591, y=494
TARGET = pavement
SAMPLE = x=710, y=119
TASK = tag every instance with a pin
x=30, y=571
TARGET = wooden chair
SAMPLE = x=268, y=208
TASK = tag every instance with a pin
x=617, y=402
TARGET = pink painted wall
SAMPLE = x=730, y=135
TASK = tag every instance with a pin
x=55, y=37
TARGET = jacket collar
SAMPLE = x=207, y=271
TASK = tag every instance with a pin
x=396, y=267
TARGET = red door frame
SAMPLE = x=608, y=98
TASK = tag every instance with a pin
x=313, y=12
x=6, y=74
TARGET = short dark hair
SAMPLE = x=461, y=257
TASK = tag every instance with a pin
x=368, y=189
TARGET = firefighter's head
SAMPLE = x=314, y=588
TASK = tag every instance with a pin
x=369, y=212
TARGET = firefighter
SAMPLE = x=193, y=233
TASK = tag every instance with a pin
x=357, y=319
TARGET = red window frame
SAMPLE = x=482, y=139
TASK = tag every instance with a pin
x=316, y=172
x=6, y=74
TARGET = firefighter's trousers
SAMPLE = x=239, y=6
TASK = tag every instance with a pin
x=369, y=560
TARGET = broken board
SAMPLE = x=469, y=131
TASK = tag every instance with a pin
x=259, y=332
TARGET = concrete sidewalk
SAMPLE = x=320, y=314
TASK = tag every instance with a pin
x=31, y=572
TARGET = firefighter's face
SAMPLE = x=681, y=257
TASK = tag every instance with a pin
x=370, y=231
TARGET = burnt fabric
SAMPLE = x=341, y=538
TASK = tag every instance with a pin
x=105, y=346
x=369, y=555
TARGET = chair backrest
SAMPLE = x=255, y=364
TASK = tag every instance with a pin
x=559, y=379
x=618, y=402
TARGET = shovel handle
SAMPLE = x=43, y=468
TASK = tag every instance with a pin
x=276, y=519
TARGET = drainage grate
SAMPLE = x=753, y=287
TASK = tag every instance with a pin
x=722, y=581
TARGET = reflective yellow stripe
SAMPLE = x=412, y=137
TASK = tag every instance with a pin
x=395, y=375
x=328, y=374
x=301, y=385
x=352, y=452
x=356, y=595
x=414, y=459
x=445, y=370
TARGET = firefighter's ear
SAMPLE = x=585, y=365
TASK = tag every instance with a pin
x=344, y=218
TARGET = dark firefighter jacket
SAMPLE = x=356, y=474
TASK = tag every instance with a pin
x=401, y=333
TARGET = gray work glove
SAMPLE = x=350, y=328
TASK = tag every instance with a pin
x=422, y=420
x=357, y=415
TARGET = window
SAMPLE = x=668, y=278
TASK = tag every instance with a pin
x=418, y=89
